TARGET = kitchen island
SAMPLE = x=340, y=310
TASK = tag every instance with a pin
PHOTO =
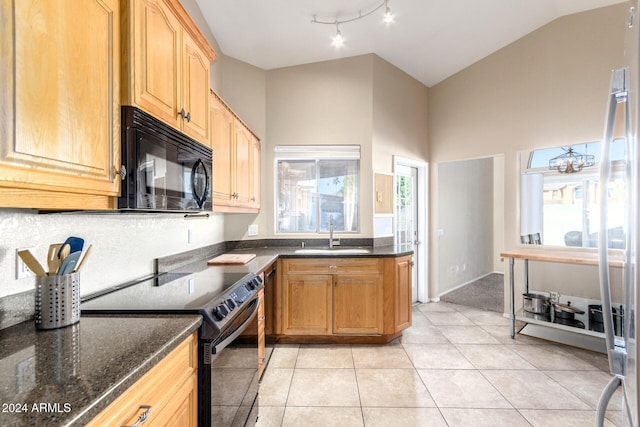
x=541, y=325
x=68, y=376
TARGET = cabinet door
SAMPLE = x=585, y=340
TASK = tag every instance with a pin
x=357, y=304
x=221, y=144
x=182, y=409
x=195, y=91
x=306, y=308
x=59, y=103
x=261, y=332
x=403, y=294
x=157, y=70
x=243, y=143
x=255, y=173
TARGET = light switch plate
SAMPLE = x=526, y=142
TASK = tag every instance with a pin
x=253, y=230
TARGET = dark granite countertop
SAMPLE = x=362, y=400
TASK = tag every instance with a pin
x=268, y=254
x=67, y=376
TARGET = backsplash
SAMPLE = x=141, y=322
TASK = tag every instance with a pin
x=124, y=248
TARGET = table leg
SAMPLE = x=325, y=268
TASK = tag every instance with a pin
x=512, y=312
x=526, y=276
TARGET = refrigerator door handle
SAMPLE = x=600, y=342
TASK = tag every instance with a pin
x=618, y=94
x=616, y=351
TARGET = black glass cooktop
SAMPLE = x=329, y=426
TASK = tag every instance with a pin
x=177, y=292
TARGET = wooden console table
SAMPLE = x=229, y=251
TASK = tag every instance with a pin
x=537, y=253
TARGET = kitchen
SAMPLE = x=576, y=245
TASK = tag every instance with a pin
x=372, y=103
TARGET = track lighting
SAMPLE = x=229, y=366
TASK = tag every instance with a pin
x=338, y=39
x=388, y=15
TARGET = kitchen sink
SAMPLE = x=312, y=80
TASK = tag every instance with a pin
x=342, y=251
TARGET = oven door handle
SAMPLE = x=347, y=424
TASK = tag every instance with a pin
x=224, y=343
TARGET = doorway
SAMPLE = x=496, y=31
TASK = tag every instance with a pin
x=410, y=179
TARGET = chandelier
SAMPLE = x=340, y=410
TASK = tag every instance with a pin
x=571, y=161
x=338, y=40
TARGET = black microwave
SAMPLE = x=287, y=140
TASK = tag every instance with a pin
x=164, y=170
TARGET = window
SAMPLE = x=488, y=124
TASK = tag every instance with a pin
x=317, y=184
x=569, y=214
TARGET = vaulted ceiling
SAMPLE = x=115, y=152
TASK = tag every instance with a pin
x=429, y=39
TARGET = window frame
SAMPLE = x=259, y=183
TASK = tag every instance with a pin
x=585, y=176
x=317, y=154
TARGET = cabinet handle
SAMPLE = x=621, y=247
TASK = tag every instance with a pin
x=253, y=199
x=185, y=116
x=120, y=172
x=143, y=417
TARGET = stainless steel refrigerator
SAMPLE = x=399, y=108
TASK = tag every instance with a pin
x=622, y=344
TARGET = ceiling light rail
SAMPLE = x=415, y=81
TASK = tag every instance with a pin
x=338, y=40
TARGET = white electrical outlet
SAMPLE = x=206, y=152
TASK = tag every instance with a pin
x=22, y=271
x=253, y=230
x=189, y=237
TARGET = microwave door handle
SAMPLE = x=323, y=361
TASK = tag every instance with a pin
x=200, y=198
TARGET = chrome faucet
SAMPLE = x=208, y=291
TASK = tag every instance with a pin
x=330, y=231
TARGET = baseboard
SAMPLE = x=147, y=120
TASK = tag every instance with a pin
x=434, y=299
x=465, y=284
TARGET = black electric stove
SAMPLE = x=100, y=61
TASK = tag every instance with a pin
x=228, y=303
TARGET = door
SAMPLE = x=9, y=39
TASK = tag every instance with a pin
x=407, y=216
x=195, y=90
x=157, y=46
x=60, y=129
x=357, y=304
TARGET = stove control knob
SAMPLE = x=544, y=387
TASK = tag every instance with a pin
x=257, y=281
x=231, y=304
x=220, y=312
x=250, y=285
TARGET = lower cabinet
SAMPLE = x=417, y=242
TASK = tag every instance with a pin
x=167, y=395
x=357, y=304
x=402, y=293
x=307, y=304
x=332, y=296
x=262, y=361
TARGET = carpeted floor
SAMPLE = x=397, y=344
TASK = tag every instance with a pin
x=486, y=293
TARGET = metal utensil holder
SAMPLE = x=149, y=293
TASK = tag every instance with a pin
x=57, y=301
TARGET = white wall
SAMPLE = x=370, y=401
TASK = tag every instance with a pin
x=465, y=221
x=547, y=89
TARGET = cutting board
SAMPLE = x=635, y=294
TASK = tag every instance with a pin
x=231, y=259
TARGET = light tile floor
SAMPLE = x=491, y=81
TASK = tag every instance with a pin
x=455, y=366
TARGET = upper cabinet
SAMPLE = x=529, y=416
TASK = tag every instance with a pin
x=166, y=65
x=236, y=161
x=59, y=104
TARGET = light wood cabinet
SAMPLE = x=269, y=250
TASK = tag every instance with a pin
x=332, y=296
x=358, y=300
x=307, y=304
x=167, y=395
x=222, y=145
x=166, y=66
x=403, y=295
x=357, y=303
x=236, y=161
x=59, y=104
x=261, y=334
